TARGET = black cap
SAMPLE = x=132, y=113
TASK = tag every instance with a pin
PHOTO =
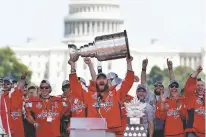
x=101, y=74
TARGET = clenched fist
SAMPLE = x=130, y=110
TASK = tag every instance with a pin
x=144, y=63
x=169, y=64
x=24, y=75
x=87, y=60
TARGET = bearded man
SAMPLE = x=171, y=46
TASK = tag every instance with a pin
x=103, y=101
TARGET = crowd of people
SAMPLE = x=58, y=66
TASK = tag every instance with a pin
x=28, y=111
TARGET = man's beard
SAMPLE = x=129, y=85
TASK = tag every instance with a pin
x=142, y=99
x=156, y=93
x=106, y=87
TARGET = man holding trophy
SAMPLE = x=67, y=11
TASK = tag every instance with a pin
x=103, y=101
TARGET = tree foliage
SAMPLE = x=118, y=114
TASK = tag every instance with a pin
x=10, y=65
x=181, y=75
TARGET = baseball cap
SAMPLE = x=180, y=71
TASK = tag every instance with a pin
x=32, y=86
x=46, y=81
x=158, y=83
x=141, y=86
x=172, y=82
x=1, y=80
x=82, y=80
x=65, y=82
x=112, y=75
x=101, y=74
x=9, y=79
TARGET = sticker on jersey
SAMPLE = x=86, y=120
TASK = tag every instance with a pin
x=94, y=96
x=76, y=100
x=166, y=105
x=15, y=115
x=199, y=101
x=39, y=105
x=49, y=119
x=110, y=93
x=64, y=104
x=55, y=105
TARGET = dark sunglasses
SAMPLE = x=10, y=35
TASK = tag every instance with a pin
x=66, y=86
x=158, y=86
x=44, y=87
x=174, y=86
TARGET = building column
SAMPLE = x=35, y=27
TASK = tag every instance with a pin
x=110, y=27
x=80, y=28
x=95, y=27
x=90, y=27
x=85, y=28
x=105, y=27
x=100, y=26
x=75, y=29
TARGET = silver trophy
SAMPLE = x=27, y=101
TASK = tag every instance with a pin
x=106, y=47
x=135, y=111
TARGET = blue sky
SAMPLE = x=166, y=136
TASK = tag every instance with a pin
x=175, y=23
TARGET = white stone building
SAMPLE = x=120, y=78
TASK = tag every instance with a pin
x=87, y=19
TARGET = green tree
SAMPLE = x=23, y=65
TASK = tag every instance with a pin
x=181, y=75
x=10, y=65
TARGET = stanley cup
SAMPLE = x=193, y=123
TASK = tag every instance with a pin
x=106, y=47
x=135, y=125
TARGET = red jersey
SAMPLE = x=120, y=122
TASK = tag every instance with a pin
x=172, y=116
x=109, y=107
x=14, y=104
x=48, y=113
x=196, y=109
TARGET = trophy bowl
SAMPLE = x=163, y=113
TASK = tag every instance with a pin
x=106, y=47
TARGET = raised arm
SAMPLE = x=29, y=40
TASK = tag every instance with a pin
x=190, y=85
x=124, y=87
x=77, y=88
x=143, y=73
x=22, y=82
x=170, y=69
x=91, y=68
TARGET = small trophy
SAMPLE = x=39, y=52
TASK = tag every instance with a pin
x=135, y=111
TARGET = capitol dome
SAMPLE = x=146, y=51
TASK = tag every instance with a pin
x=90, y=18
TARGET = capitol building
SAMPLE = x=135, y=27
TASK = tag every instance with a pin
x=86, y=20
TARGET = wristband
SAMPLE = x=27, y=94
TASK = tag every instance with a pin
x=143, y=69
x=73, y=70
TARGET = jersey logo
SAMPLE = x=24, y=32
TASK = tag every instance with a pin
x=76, y=100
x=39, y=105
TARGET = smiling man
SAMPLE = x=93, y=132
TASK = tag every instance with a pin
x=103, y=101
x=195, y=92
x=47, y=111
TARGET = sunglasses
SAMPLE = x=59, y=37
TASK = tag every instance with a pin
x=158, y=86
x=66, y=86
x=44, y=87
x=174, y=86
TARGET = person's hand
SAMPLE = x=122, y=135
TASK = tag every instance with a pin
x=169, y=64
x=129, y=60
x=24, y=75
x=144, y=63
x=162, y=97
x=71, y=62
x=199, y=69
x=136, y=78
x=36, y=125
x=87, y=61
x=74, y=57
x=179, y=105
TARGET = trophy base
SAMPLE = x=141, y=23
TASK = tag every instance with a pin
x=134, y=121
x=135, y=131
x=135, y=128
